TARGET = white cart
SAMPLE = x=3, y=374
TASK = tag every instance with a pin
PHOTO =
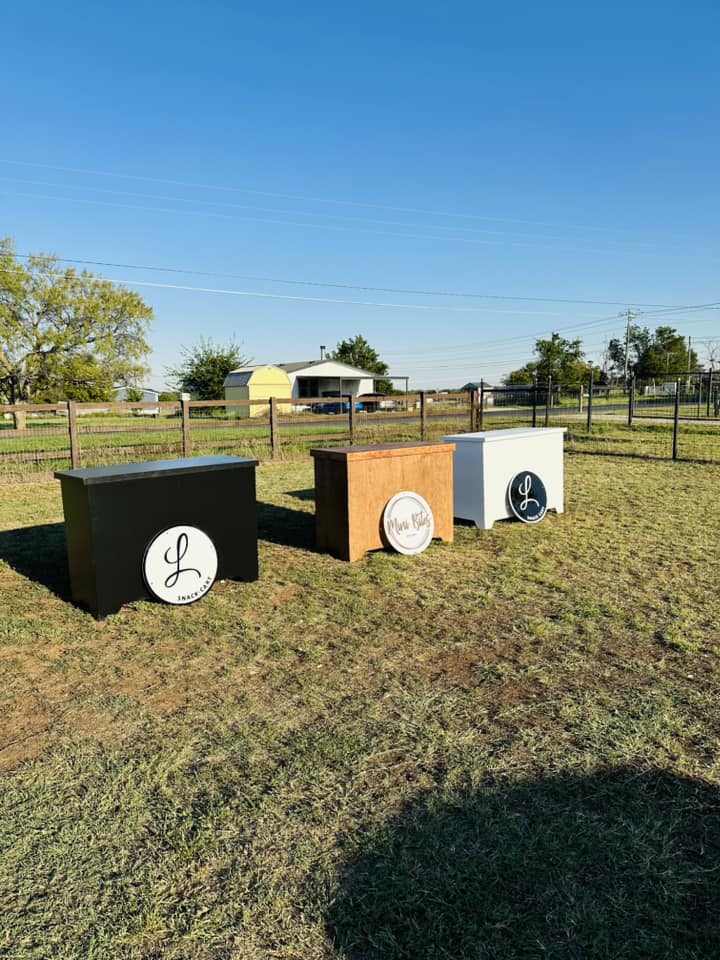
x=486, y=462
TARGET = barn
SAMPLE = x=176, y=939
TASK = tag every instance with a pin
x=258, y=382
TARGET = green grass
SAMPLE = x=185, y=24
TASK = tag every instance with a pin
x=505, y=747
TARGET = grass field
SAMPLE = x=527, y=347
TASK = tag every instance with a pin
x=506, y=747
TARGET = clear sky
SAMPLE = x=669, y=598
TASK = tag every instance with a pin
x=534, y=152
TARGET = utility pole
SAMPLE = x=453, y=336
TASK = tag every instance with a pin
x=630, y=318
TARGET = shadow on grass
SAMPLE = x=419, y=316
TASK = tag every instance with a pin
x=40, y=554
x=308, y=495
x=291, y=528
x=615, y=865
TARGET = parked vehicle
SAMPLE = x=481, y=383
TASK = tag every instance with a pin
x=372, y=402
x=336, y=406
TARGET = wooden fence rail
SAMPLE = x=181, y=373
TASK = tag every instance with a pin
x=74, y=432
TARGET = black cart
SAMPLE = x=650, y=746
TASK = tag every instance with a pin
x=164, y=530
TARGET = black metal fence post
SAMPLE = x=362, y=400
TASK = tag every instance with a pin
x=535, y=397
x=709, y=391
x=548, y=399
x=481, y=411
x=699, y=394
x=676, y=420
x=631, y=401
x=423, y=414
x=589, y=403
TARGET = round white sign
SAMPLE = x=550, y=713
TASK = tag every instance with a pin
x=408, y=522
x=180, y=565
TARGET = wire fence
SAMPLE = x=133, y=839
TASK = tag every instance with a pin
x=677, y=419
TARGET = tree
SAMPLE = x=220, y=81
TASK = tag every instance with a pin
x=561, y=359
x=82, y=378
x=357, y=352
x=652, y=356
x=204, y=368
x=64, y=334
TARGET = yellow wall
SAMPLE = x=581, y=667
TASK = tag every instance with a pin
x=265, y=382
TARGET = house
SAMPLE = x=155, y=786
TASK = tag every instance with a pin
x=146, y=396
x=258, y=382
x=327, y=378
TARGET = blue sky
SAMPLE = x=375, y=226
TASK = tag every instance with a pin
x=538, y=153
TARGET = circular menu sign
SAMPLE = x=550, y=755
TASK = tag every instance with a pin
x=527, y=496
x=180, y=565
x=408, y=522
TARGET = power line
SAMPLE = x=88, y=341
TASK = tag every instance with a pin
x=349, y=286
x=443, y=308
x=596, y=322
x=330, y=216
x=533, y=244
x=302, y=199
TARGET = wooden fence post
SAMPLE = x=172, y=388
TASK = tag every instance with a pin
x=473, y=396
x=19, y=422
x=73, y=431
x=186, y=438
x=423, y=414
x=274, y=432
x=351, y=417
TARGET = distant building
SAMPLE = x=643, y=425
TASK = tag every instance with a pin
x=327, y=378
x=258, y=382
x=146, y=395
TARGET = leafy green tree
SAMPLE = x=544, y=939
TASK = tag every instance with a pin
x=561, y=359
x=652, y=356
x=64, y=334
x=204, y=368
x=357, y=352
x=80, y=378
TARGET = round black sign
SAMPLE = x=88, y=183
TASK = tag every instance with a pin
x=528, y=497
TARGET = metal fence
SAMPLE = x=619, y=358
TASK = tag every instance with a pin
x=678, y=419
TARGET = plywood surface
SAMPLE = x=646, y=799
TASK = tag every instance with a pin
x=351, y=493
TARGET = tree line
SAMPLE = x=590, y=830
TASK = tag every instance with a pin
x=657, y=355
